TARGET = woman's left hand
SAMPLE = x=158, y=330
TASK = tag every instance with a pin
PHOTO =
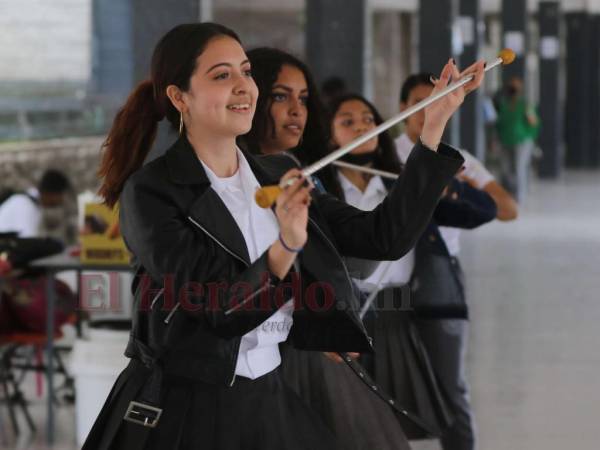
x=439, y=112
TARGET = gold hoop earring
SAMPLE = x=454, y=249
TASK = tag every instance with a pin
x=180, y=123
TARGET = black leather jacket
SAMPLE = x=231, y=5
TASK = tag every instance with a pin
x=197, y=293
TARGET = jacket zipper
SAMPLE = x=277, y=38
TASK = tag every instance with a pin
x=168, y=318
x=333, y=248
x=369, y=338
x=218, y=242
x=247, y=299
x=237, y=349
x=255, y=293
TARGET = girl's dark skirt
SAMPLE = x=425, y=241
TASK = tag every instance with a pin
x=259, y=414
x=402, y=368
x=358, y=418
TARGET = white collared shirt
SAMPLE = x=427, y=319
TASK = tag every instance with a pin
x=259, y=350
x=472, y=169
x=19, y=213
x=399, y=271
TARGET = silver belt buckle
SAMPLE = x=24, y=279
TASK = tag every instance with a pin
x=143, y=414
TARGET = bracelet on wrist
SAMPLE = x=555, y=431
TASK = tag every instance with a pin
x=287, y=247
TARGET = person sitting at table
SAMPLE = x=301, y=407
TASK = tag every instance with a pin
x=38, y=211
x=31, y=216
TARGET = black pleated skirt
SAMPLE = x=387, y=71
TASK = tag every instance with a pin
x=261, y=414
x=357, y=417
x=401, y=367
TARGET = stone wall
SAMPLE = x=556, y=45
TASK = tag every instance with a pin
x=22, y=164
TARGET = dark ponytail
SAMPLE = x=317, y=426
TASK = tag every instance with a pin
x=134, y=127
x=128, y=141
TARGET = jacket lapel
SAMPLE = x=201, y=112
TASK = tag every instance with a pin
x=212, y=216
x=207, y=211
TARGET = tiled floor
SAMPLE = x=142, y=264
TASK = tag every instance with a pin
x=534, y=290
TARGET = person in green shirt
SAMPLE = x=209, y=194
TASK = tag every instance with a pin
x=517, y=127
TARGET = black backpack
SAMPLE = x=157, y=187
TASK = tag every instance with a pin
x=20, y=251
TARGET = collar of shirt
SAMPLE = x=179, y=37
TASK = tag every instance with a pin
x=403, y=147
x=242, y=181
x=367, y=200
x=258, y=226
x=388, y=273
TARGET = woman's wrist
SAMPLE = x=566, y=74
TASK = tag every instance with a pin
x=288, y=247
x=431, y=138
x=431, y=135
x=280, y=260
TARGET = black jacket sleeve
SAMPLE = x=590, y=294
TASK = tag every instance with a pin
x=196, y=275
x=393, y=227
x=465, y=207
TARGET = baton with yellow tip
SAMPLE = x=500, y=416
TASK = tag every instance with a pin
x=267, y=195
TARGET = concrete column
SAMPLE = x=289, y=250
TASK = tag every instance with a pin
x=125, y=33
x=514, y=35
x=594, y=49
x=153, y=18
x=438, y=43
x=578, y=125
x=112, y=62
x=550, y=110
x=472, y=137
x=337, y=41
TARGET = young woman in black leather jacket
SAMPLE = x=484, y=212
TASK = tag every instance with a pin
x=203, y=370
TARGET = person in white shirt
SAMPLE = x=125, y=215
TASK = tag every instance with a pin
x=446, y=339
x=399, y=351
x=22, y=212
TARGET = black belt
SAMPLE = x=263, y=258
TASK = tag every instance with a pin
x=143, y=414
x=362, y=374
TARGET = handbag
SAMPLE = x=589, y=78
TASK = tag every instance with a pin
x=21, y=251
x=437, y=283
x=23, y=307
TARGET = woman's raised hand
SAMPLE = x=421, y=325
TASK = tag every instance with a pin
x=439, y=112
x=291, y=209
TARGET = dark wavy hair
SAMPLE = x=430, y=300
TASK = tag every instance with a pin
x=266, y=65
x=134, y=127
x=386, y=157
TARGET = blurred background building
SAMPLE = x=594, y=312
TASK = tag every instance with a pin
x=67, y=65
